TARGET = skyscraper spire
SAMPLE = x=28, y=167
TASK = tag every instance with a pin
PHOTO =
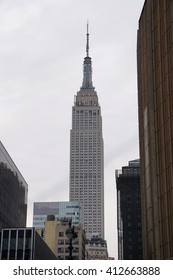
x=86, y=153
x=87, y=45
x=87, y=66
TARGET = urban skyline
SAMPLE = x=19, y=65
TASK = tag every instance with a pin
x=41, y=72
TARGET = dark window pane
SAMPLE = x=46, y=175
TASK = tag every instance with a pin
x=5, y=244
x=5, y=233
x=5, y=240
x=20, y=233
x=27, y=254
x=4, y=255
x=28, y=233
x=20, y=239
x=28, y=243
x=66, y=250
x=13, y=233
x=20, y=243
x=13, y=240
x=19, y=254
x=12, y=255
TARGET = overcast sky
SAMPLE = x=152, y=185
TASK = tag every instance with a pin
x=42, y=48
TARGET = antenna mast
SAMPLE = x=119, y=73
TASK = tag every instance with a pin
x=87, y=45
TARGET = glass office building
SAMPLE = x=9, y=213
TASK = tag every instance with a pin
x=68, y=209
x=13, y=193
x=23, y=244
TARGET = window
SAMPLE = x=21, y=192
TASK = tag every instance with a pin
x=60, y=250
x=61, y=234
x=20, y=239
x=75, y=250
x=28, y=239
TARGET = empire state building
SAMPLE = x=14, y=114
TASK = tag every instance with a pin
x=86, y=153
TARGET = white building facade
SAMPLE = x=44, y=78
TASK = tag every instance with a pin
x=86, y=153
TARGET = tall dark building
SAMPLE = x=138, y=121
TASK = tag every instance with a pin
x=129, y=212
x=13, y=193
x=155, y=99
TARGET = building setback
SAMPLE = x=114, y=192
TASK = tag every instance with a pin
x=129, y=212
x=86, y=153
x=155, y=99
x=13, y=193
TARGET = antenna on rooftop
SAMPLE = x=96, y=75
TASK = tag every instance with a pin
x=87, y=45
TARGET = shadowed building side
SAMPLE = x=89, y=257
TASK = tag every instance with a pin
x=155, y=100
x=13, y=193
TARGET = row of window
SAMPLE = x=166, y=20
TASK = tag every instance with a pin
x=67, y=242
x=90, y=126
x=86, y=140
x=66, y=250
x=86, y=197
x=87, y=112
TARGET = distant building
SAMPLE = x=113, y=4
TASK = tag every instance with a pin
x=13, y=193
x=155, y=103
x=96, y=249
x=23, y=244
x=70, y=210
x=54, y=235
x=86, y=153
x=129, y=212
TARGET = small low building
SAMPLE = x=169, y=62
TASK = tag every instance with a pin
x=54, y=234
x=96, y=249
x=23, y=244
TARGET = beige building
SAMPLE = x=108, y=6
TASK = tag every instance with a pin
x=55, y=237
x=96, y=249
x=155, y=99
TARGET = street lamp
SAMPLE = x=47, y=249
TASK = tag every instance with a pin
x=71, y=234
